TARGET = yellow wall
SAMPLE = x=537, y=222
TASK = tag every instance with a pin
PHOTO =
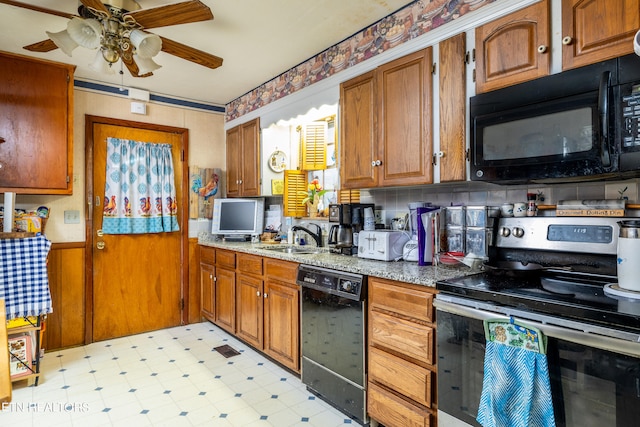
x=206, y=149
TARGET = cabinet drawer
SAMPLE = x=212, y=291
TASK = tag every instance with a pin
x=283, y=270
x=207, y=255
x=392, y=411
x=400, y=375
x=402, y=336
x=225, y=259
x=251, y=264
x=403, y=299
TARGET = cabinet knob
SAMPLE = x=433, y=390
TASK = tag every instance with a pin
x=240, y=182
x=257, y=293
x=2, y=140
x=542, y=48
x=376, y=163
x=265, y=295
x=567, y=40
x=210, y=276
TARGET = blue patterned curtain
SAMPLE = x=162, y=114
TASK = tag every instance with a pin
x=140, y=192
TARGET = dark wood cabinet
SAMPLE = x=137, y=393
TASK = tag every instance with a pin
x=386, y=132
x=514, y=48
x=596, y=30
x=36, y=126
x=243, y=159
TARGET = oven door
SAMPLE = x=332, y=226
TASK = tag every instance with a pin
x=591, y=386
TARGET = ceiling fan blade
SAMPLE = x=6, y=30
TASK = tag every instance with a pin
x=97, y=5
x=44, y=46
x=37, y=8
x=172, y=14
x=190, y=54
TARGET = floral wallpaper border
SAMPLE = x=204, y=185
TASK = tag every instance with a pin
x=408, y=23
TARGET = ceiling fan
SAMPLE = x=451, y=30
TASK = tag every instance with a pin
x=117, y=28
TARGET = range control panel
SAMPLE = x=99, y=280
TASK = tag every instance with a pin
x=567, y=234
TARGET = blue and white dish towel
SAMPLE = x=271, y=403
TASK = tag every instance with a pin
x=516, y=391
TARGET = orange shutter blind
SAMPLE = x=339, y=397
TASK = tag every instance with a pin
x=314, y=146
x=295, y=184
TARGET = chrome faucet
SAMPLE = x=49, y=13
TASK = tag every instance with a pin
x=316, y=236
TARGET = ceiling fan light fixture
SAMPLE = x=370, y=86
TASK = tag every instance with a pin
x=110, y=55
x=85, y=32
x=147, y=45
x=146, y=65
x=100, y=65
x=63, y=41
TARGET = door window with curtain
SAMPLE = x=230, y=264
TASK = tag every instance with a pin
x=140, y=192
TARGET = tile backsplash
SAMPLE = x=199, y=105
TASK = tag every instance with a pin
x=394, y=201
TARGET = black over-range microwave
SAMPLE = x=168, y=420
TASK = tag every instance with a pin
x=581, y=124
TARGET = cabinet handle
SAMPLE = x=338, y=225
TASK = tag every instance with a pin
x=567, y=40
x=376, y=163
x=211, y=276
x=265, y=295
x=542, y=48
x=257, y=293
x=240, y=182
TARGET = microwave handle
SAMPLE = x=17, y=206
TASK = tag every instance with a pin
x=603, y=110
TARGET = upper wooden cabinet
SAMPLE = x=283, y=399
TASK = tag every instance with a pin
x=243, y=159
x=514, y=48
x=386, y=125
x=453, y=114
x=36, y=126
x=595, y=30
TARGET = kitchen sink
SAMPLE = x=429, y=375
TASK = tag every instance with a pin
x=298, y=250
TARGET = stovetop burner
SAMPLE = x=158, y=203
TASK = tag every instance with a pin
x=578, y=297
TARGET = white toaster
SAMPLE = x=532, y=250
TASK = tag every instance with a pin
x=383, y=245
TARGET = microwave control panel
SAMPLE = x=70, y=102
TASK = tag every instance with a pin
x=631, y=117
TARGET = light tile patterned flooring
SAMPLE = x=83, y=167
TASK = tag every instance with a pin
x=171, y=377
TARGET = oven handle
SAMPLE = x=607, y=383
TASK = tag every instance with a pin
x=602, y=342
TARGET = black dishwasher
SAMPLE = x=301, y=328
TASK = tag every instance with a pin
x=333, y=337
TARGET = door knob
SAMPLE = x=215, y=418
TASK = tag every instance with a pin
x=100, y=245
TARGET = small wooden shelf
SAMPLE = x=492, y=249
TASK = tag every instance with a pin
x=33, y=332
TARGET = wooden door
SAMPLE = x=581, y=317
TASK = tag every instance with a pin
x=453, y=114
x=233, y=162
x=250, y=163
x=282, y=323
x=514, y=48
x=135, y=283
x=249, y=309
x=358, y=138
x=404, y=120
x=207, y=274
x=225, y=299
x=596, y=30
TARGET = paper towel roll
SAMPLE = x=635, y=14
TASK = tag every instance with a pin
x=636, y=43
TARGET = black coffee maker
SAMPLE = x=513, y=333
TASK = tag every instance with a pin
x=349, y=218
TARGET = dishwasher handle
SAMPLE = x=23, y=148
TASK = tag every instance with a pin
x=603, y=342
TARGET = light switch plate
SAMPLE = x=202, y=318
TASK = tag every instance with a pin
x=72, y=217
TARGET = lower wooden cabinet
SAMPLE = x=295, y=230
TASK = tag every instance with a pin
x=401, y=364
x=256, y=299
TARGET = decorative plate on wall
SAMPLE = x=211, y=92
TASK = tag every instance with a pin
x=278, y=161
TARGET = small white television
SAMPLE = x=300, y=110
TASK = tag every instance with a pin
x=238, y=219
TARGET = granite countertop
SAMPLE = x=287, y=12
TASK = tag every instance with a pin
x=402, y=271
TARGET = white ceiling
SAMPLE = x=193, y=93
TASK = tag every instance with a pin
x=257, y=39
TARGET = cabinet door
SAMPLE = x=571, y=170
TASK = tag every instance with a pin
x=453, y=79
x=207, y=276
x=358, y=138
x=596, y=30
x=514, y=48
x=282, y=323
x=250, y=163
x=404, y=120
x=249, y=306
x=233, y=161
x=225, y=299
x=36, y=126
